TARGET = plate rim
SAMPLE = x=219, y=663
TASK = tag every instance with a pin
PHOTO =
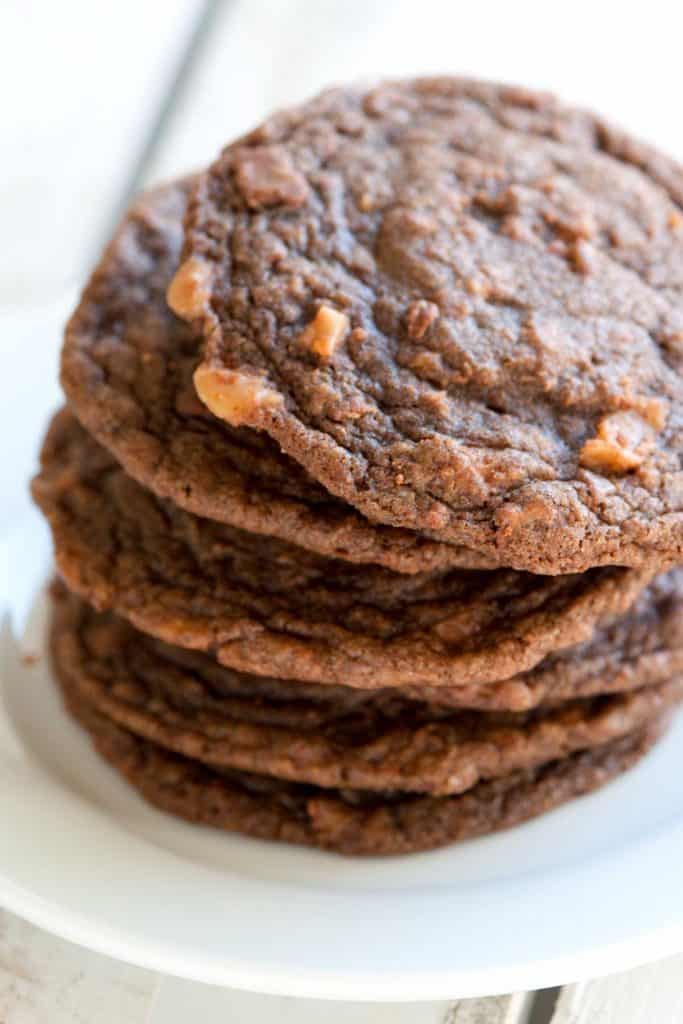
x=652, y=939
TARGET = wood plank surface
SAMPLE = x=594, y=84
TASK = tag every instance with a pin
x=652, y=994
x=44, y=980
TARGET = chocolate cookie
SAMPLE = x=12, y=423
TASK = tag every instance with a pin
x=643, y=648
x=348, y=821
x=376, y=746
x=459, y=306
x=127, y=367
x=266, y=607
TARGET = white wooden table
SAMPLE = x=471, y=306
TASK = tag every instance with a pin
x=100, y=99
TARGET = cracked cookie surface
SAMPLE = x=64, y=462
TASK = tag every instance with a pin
x=460, y=307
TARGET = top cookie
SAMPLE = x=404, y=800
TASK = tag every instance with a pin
x=460, y=307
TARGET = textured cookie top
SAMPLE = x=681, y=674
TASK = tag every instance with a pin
x=459, y=306
x=127, y=366
x=267, y=607
x=376, y=745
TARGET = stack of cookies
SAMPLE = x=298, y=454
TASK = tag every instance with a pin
x=368, y=499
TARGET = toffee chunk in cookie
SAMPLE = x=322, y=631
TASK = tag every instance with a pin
x=126, y=368
x=459, y=307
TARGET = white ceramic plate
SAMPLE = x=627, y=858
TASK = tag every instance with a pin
x=591, y=888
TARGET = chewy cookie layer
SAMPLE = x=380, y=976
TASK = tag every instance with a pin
x=270, y=608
